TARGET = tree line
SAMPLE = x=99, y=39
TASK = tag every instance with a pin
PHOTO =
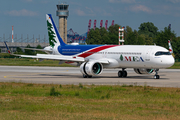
x=147, y=34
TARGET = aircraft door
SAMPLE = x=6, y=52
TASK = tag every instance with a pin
x=148, y=54
x=105, y=54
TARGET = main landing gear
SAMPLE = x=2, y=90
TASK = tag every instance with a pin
x=122, y=73
x=87, y=76
x=156, y=76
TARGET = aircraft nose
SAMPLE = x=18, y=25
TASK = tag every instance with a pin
x=170, y=61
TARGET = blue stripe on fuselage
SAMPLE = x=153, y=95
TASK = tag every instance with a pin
x=75, y=49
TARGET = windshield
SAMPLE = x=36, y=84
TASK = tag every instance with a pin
x=162, y=53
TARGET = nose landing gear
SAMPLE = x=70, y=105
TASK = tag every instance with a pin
x=156, y=76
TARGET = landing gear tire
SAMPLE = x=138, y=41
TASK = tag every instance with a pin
x=84, y=76
x=87, y=76
x=156, y=76
x=122, y=74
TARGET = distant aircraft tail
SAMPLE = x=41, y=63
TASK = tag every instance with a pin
x=7, y=48
x=170, y=47
x=54, y=38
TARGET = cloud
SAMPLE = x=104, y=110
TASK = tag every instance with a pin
x=45, y=2
x=140, y=8
x=28, y=0
x=80, y=12
x=22, y=12
x=103, y=12
x=85, y=12
x=174, y=1
x=122, y=1
x=167, y=10
x=89, y=9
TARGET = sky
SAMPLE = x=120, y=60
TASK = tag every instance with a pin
x=28, y=16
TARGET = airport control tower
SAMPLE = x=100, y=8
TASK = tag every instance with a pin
x=63, y=13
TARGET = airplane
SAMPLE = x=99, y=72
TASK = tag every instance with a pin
x=145, y=59
x=170, y=47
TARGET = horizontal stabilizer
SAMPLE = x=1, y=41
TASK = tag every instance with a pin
x=37, y=49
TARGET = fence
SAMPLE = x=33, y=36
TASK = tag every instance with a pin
x=22, y=42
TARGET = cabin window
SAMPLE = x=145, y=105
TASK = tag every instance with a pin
x=162, y=53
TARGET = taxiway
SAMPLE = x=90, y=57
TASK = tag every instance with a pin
x=72, y=75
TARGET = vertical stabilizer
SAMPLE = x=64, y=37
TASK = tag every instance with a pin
x=7, y=48
x=54, y=38
x=170, y=47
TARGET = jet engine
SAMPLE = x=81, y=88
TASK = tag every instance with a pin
x=91, y=68
x=143, y=70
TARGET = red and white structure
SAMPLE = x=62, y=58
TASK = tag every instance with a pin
x=101, y=23
x=94, y=24
x=12, y=35
x=121, y=35
x=170, y=47
x=106, y=24
x=112, y=23
x=89, y=26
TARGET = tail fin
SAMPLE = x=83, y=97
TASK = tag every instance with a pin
x=170, y=47
x=54, y=37
x=7, y=48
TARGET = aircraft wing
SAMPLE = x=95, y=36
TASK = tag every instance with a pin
x=62, y=58
x=58, y=57
x=54, y=57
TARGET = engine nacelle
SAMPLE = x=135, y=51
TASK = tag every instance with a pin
x=91, y=68
x=143, y=70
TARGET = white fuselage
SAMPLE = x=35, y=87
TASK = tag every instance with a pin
x=133, y=56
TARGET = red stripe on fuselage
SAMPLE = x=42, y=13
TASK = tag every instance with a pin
x=97, y=49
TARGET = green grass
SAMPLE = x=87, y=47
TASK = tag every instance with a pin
x=31, y=62
x=34, y=62
x=42, y=101
x=175, y=66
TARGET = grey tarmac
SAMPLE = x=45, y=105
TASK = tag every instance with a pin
x=72, y=75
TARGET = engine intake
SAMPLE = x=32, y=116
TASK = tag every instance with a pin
x=91, y=68
x=143, y=70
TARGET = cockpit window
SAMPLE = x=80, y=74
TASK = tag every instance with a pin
x=162, y=53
